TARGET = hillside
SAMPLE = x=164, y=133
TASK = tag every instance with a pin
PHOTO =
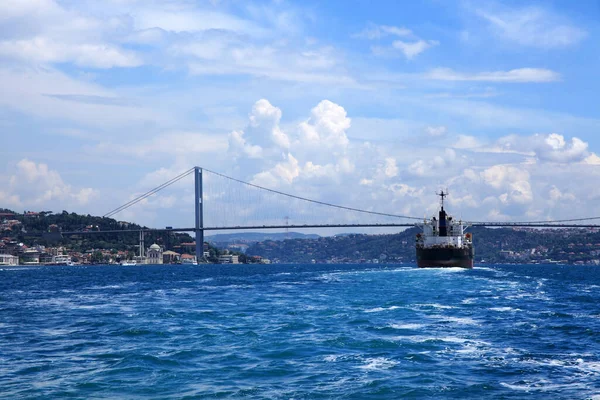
x=499, y=245
x=34, y=227
x=491, y=245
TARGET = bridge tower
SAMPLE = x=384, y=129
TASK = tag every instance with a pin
x=199, y=228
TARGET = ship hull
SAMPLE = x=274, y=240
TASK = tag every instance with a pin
x=445, y=257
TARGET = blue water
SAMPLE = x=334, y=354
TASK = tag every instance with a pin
x=300, y=331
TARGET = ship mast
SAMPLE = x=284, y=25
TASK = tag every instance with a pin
x=442, y=223
x=442, y=195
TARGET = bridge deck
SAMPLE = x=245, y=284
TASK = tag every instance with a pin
x=260, y=227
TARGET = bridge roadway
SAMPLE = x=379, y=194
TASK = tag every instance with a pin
x=260, y=227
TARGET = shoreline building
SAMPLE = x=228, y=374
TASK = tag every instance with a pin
x=8, y=259
x=154, y=255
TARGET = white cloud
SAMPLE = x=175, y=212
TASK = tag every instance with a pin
x=546, y=147
x=390, y=168
x=47, y=50
x=238, y=146
x=592, y=159
x=265, y=118
x=191, y=19
x=519, y=75
x=466, y=142
x=511, y=181
x=326, y=127
x=532, y=26
x=170, y=143
x=36, y=185
x=436, y=131
x=436, y=165
x=373, y=31
x=555, y=195
x=285, y=171
x=46, y=32
x=412, y=49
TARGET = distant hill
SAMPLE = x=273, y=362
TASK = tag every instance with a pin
x=252, y=237
x=497, y=245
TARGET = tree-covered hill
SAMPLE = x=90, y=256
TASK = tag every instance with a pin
x=34, y=228
x=491, y=245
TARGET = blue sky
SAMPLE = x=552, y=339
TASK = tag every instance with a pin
x=103, y=100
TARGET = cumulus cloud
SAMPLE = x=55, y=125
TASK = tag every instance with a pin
x=264, y=125
x=36, y=185
x=326, y=126
x=285, y=171
x=262, y=132
x=238, y=146
x=437, y=164
x=546, y=147
x=511, y=181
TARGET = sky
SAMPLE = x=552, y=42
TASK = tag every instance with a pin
x=373, y=105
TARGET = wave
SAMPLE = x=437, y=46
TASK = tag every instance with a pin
x=380, y=309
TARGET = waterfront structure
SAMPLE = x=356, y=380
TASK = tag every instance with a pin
x=228, y=259
x=154, y=255
x=188, y=259
x=30, y=257
x=8, y=259
x=171, y=257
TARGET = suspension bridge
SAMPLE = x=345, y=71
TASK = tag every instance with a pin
x=226, y=197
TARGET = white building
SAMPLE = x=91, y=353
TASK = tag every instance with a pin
x=154, y=255
x=228, y=259
x=8, y=259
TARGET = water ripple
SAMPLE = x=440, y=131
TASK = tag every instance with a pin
x=299, y=331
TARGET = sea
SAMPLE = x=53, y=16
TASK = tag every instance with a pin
x=321, y=331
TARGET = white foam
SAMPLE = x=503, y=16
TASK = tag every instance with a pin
x=435, y=305
x=461, y=320
x=504, y=309
x=540, y=386
x=407, y=326
x=104, y=287
x=378, y=363
x=379, y=309
x=331, y=358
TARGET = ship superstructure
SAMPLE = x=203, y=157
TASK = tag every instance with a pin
x=443, y=241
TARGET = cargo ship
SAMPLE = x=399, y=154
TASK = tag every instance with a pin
x=443, y=242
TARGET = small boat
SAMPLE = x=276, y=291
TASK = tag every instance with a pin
x=128, y=262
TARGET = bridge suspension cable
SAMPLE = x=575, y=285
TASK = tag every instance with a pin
x=534, y=223
x=313, y=201
x=149, y=193
x=322, y=203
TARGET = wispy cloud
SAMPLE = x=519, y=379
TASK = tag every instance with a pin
x=531, y=26
x=519, y=75
x=409, y=47
x=373, y=31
